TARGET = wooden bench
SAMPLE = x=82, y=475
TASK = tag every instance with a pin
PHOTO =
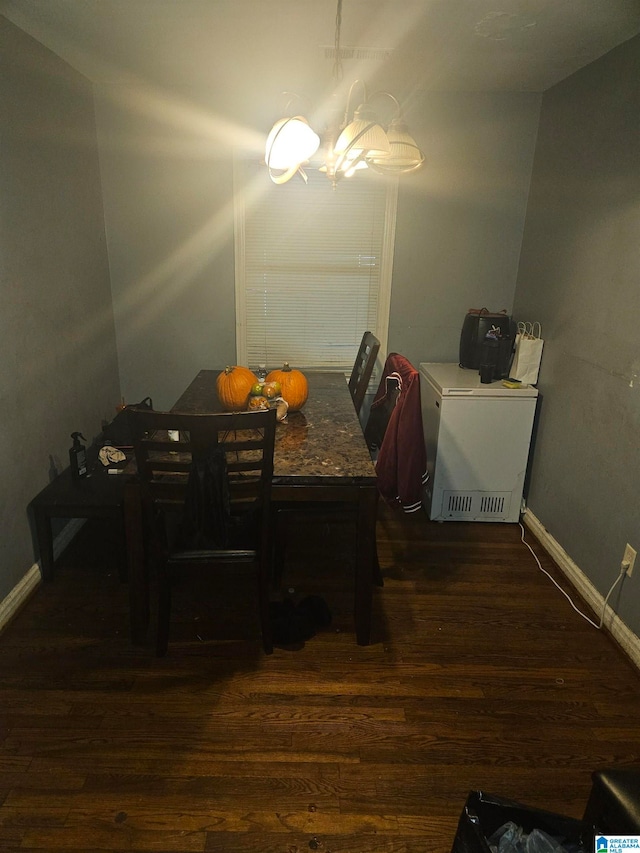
x=99, y=495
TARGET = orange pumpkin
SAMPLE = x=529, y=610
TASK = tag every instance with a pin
x=293, y=384
x=234, y=385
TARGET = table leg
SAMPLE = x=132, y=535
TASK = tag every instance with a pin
x=45, y=542
x=365, y=563
x=123, y=562
x=137, y=564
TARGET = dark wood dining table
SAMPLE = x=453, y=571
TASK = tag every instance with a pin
x=320, y=456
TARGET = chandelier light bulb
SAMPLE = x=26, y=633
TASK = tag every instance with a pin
x=350, y=169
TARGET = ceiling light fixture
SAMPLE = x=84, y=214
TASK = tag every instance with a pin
x=359, y=141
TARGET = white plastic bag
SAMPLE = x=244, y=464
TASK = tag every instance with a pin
x=528, y=353
x=511, y=838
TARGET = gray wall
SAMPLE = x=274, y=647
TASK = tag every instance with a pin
x=461, y=218
x=579, y=276
x=168, y=200
x=57, y=341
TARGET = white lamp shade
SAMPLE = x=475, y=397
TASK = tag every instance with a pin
x=291, y=141
x=362, y=136
x=404, y=152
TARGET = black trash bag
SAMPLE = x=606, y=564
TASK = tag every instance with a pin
x=485, y=814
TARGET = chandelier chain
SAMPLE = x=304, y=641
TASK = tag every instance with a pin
x=338, y=71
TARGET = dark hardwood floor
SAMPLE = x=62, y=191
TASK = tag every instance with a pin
x=480, y=676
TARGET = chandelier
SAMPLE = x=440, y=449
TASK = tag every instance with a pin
x=356, y=141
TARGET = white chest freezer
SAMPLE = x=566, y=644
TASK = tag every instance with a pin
x=477, y=440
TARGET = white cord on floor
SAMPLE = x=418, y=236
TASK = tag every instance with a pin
x=566, y=595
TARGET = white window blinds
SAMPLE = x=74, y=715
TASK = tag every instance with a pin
x=313, y=267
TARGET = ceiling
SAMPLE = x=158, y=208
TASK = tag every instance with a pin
x=256, y=49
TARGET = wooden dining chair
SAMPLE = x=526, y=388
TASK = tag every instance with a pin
x=380, y=414
x=205, y=498
x=363, y=368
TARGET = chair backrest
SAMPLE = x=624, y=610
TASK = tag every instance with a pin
x=363, y=368
x=246, y=440
x=380, y=414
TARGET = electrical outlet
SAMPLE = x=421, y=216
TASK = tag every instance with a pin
x=629, y=557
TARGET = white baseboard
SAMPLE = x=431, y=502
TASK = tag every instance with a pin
x=21, y=592
x=621, y=633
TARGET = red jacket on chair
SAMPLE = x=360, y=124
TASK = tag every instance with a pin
x=401, y=465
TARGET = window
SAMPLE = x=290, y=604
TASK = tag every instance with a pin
x=313, y=267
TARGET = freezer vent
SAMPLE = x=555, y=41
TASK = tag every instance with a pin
x=492, y=504
x=459, y=504
x=475, y=506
